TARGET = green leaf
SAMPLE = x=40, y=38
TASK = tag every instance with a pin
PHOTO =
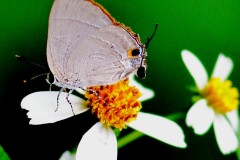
x=192, y=88
x=3, y=154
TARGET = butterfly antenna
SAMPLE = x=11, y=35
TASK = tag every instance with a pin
x=40, y=75
x=25, y=60
x=149, y=39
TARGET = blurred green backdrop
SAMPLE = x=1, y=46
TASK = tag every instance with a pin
x=205, y=27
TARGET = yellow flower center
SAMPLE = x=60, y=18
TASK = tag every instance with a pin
x=221, y=95
x=115, y=105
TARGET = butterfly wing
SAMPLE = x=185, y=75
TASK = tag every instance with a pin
x=86, y=47
x=69, y=25
x=104, y=58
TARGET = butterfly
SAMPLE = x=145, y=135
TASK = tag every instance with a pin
x=86, y=46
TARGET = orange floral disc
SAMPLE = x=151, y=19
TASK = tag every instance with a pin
x=115, y=105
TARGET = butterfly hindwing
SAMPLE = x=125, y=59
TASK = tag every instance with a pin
x=104, y=58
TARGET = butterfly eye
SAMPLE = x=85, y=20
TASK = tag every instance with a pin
x=133, y=53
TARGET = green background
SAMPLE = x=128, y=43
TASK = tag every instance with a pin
x=205, y=27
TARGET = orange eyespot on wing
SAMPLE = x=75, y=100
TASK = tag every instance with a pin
x=134, y=52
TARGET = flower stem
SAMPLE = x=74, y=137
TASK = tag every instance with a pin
x=134, y=135
x=238, y=136
x=129, y=138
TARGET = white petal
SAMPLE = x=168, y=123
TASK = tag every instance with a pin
x=196, y=68
x=223, y=67
x=147, y=93
x=233, y=119
x=160, y=128
x=42, y=106
x=98, y=143
x=67, y=156
x=79, y=90
x=200, y=117
x=226, y=138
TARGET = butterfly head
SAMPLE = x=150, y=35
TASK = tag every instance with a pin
x=140, y=53
x=141, y=72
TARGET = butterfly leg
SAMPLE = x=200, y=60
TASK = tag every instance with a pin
x=96, y=93
x=48, y=81
x=91, y=90
x=58, y=98
x=70, y=92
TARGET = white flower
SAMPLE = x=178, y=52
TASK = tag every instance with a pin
x=67, y=156
x=217, y=103
x=99, y=142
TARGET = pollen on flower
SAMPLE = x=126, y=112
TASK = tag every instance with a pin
x=221, y=95
x=115, y=105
